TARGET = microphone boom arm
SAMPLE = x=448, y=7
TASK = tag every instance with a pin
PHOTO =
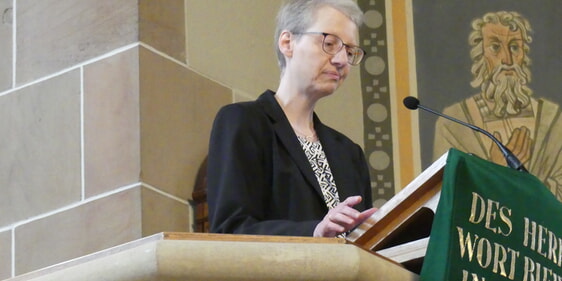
x=510, y=158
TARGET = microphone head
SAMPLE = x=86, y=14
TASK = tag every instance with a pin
x=411, y=102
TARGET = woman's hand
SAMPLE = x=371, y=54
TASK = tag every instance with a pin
x=342, y=218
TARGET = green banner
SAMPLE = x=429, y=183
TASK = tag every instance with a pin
x=493, y=223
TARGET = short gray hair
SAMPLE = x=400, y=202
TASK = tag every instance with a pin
x=297, y=15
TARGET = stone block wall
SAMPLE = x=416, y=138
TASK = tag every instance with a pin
x=104, y=126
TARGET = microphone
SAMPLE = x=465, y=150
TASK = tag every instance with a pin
x=413, y=103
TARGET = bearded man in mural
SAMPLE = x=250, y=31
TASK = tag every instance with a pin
x=530, y=127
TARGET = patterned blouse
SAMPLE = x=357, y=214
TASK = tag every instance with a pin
x=321, y=168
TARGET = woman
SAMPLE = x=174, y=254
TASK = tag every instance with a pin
x=273, y=167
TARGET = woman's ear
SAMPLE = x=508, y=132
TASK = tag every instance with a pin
x=285, y=43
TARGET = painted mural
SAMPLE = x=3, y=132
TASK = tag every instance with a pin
x=495, y=65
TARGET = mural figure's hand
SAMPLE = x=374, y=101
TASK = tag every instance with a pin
x=519, y=143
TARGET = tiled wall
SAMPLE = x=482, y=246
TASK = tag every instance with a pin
x=111, y=122
x=56, y=34
x=103, y=125
x=6, y=15
x=175, y=121
x=40, y=148
x=5, y=254
x=86, y=228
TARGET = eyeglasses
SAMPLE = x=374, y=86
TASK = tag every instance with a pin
x=331, y=44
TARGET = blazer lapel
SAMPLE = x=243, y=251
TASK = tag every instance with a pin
x=288, y=138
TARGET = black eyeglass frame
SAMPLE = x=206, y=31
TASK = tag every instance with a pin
x=347, y=46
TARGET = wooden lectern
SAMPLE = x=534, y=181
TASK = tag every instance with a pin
x=215, y=257
x=400, y=229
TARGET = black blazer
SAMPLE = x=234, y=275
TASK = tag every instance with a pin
x=259, y=180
